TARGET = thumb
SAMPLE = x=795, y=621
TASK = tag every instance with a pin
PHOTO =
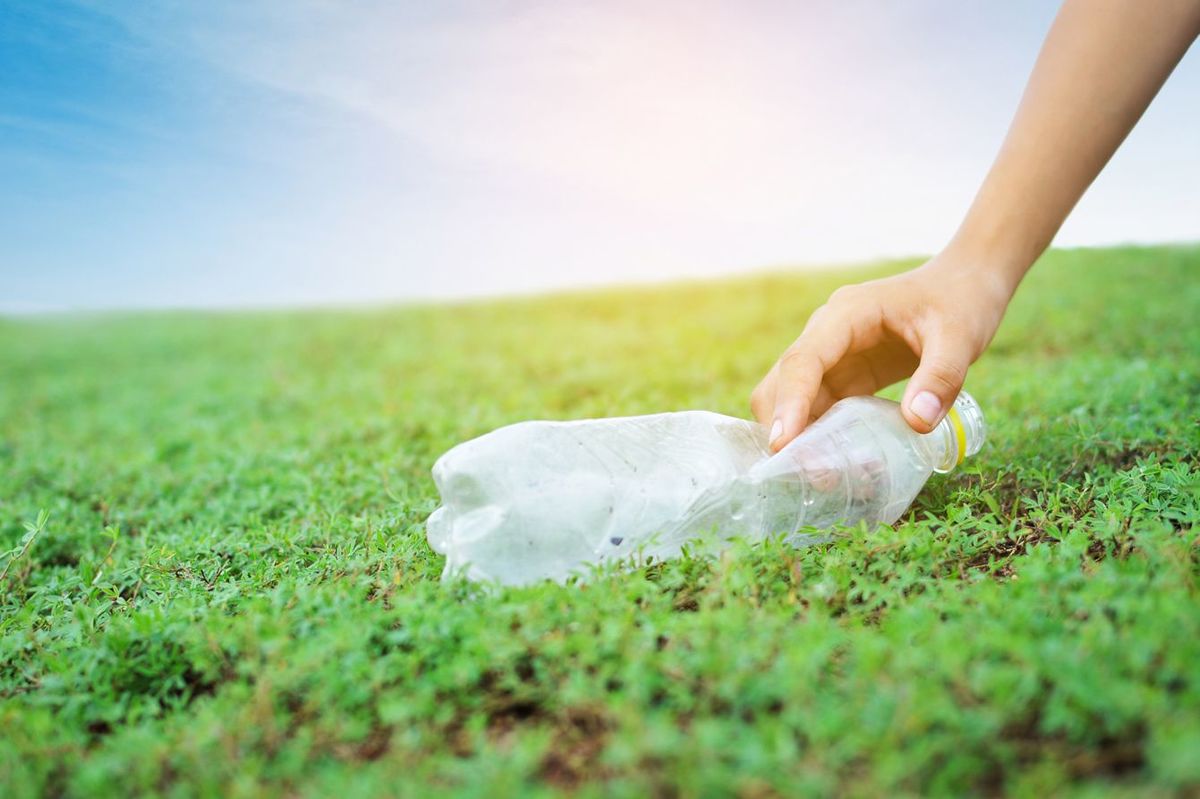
x=937, y=381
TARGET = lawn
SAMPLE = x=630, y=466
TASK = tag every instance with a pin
x=216, y=580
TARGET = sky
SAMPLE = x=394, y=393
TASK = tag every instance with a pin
x=312, y=152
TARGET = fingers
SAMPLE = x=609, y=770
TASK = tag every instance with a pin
x=823, y=402
x=945, y=356
x=762, y=399
x=801, y=370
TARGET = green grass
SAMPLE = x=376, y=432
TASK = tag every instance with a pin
x=229, y=593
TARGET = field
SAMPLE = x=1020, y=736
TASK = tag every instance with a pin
x=216, y=582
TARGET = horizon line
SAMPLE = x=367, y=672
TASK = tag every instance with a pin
x=26, y=310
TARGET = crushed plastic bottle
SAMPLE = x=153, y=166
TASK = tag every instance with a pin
x=539, y=500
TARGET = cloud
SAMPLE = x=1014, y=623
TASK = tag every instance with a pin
x=667, y=107
x=308, y=151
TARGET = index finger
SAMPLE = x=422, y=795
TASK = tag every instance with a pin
x=801, y=369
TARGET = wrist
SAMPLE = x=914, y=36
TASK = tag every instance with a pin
x=998, y=263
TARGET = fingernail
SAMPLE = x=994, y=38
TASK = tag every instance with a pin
x=776, y=431
x=926, y=407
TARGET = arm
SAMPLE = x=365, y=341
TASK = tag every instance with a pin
x=1101, y=65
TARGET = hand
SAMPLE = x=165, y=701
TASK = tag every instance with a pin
x=930, y=323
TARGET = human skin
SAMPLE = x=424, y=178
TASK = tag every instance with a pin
x=1100, y=66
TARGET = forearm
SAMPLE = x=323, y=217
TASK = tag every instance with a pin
x=1101, y=65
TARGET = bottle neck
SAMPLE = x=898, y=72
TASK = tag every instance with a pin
x=958, y=436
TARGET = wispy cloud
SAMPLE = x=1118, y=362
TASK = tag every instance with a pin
x=279, y=151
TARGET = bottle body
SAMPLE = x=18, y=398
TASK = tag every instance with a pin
x=540, y=500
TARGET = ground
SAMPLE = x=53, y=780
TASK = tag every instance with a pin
x=215, y=577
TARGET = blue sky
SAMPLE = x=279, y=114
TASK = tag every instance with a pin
x=227, y=154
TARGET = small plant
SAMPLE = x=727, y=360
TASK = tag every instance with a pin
x=32, y=531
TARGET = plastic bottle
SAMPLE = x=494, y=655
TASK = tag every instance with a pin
x=540, y=500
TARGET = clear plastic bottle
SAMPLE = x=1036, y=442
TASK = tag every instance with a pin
x=539, y=500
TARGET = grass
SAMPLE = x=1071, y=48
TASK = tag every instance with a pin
x=216, y=580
